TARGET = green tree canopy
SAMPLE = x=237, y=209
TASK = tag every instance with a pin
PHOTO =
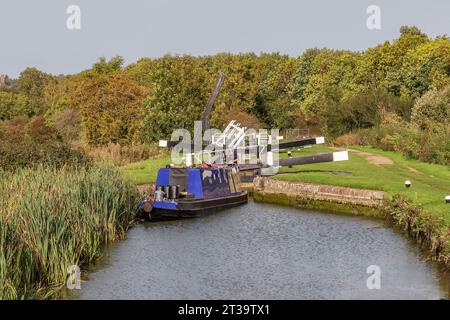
x=111, y=108
x=431, y=109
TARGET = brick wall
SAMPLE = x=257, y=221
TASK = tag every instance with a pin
x=343, y=195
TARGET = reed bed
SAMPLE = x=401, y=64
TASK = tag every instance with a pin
x=51, y=219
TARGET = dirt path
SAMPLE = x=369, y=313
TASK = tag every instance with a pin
x=374, y=158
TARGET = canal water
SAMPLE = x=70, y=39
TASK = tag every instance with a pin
x=261, y=251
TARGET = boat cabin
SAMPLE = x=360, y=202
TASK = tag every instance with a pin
x=199, y=183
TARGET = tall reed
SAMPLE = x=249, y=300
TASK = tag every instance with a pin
x=51, y=219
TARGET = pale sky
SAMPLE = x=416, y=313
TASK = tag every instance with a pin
x=34, y=33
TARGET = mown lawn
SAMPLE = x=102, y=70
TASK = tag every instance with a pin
x=430, y=183
x=145, y=172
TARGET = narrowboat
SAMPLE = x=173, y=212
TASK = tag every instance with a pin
x=190, y=192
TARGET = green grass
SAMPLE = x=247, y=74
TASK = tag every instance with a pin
x=51, y=219
x=144, y=172
x=430, y=183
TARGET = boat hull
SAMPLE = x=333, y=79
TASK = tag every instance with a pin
x=197, y=207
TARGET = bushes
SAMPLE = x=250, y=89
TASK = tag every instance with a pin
x=25, y=143
x=431, y=146
x=431, y=109
x=363, y=110
x=51, y=219
x=427, y=136
x=423, y=226
x=13, y=105
x=350, y=139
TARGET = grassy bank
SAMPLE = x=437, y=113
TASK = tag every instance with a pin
x=51, y=219
x=144, y=172
x=374, y=169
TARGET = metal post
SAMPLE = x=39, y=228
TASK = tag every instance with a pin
x=225, y=150
x=290, y=156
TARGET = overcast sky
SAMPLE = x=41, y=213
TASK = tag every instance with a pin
x=34, y=33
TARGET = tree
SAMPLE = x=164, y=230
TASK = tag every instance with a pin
x=181, y=88
x=359, y=111
x=411, y=31
x=302, y=75
x=111, y=108
x=31, y=83
x=426, y=67
x=332, y=76
x=115, y=64
x=13, y=105
x=141, y=71
x=432, y=109
x=381, y=66
x=273, y=99
x=244, y=73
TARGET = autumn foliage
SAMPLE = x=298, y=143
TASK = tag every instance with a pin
x=110, y=107
x=332, y=92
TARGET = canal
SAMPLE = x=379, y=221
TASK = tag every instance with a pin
x=262, y=251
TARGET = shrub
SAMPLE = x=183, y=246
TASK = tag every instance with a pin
x=431, y=146
x=13, y=105
x=67, y=122
x=363, y=110
x=25, y=143
x=432, y=108
x=350, y=139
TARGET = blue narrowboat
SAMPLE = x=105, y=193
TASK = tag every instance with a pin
x=190, y=192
